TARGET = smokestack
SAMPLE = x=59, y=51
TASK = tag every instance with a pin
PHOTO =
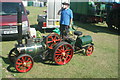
x=19, y=22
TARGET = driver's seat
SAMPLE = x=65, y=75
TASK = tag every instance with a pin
x=78, y=33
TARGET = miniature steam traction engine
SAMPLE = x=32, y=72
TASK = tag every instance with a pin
x=50, y=47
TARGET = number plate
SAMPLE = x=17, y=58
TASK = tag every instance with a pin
x=57, y=23
x=10, y=32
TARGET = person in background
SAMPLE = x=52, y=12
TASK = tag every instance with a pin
x=66, y=19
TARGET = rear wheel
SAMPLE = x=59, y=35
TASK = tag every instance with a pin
x=63, y=53
x=52, y=40
x=24, y=63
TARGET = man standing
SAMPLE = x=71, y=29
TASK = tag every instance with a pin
x=66, y=19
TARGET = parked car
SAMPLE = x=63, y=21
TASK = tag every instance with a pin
x=8, y=14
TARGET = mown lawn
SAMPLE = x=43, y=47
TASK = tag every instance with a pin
x=0, y=68
x=102, y=64
x=34, y=12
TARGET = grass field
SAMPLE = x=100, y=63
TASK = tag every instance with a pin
x=0, y=60
x=102, y=64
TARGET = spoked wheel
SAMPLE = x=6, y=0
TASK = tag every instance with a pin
x=24, y=63
x=52, y=39
x=13, y=55
x=89, y=50
x=63, y=53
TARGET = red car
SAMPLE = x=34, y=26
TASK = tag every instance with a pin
x=8, y=16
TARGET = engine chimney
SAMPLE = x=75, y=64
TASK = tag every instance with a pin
x=19, y=23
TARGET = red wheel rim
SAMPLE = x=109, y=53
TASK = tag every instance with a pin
x=24, y=64
x=63, y=54
x=52, y=40
x=89, y=50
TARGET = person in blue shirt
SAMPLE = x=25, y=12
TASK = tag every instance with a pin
x=66, y=19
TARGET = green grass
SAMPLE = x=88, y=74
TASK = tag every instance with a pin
x=0, y=69
x=34, y=12
x=0, y=59
x=103, y=63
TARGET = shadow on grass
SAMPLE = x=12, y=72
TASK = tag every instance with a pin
x=6, y=60
x=95, y=28
x=8, y=39
x=46, y=61
x=10, y=68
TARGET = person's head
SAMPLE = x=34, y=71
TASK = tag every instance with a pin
x=65, y=5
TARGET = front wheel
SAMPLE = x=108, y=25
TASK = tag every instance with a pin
x=24, y=63
x=89, y=50
x=52, y=40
